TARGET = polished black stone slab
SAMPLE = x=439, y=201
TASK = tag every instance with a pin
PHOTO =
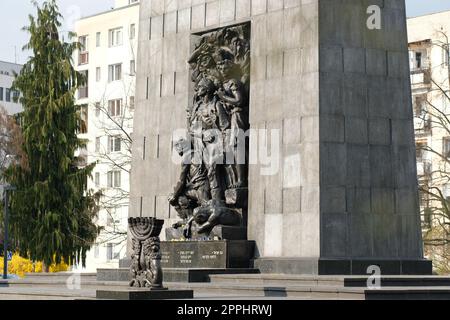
x=207, y=254
x=144, y=294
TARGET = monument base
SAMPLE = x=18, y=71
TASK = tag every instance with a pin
x=314, y=266
x=194, y=261
x=223, y=254
x=144, y=294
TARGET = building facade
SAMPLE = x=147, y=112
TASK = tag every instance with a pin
x=107, y=59
x=7, y=95
x=430, y=83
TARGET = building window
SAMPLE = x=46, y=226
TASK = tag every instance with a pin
x=97, y=179
x=109, y=251
x=83, y=43
x=16, y=95
x=133, y=67
x=115, y=37
x=420, y=151
x=96, y=251
x=84, y=50
x=97, y=144
x=97, y=109
x=115, y=107
x=84, y=119
x=114, y=144
x=424, y=203
x=420, y=105
x=446, y=147
x=132, y=31
x=1, y=94
x=83, y=92
x=418, y=61
x=114, y=179
x=8, y=95
x=97, y=39
x=114, y=72
x=98, y=74
x=132, y=102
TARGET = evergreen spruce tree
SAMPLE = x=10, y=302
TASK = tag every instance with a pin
x=51, y=211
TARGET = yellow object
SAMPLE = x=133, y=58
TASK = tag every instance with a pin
x=20, y=266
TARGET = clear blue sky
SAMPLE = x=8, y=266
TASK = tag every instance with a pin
x=14, y=15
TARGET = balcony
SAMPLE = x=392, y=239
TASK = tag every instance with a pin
x=83, y=58
x=424, y=169
x=81, y=157
x=83, y=92
x=422, y=126
x=421, y=78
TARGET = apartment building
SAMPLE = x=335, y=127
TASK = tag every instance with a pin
x=429, y=48
x=7, y=95
x=107, y=59
x=8, y=103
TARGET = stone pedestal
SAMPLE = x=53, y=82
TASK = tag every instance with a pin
x=316, y=266
x=207, y=254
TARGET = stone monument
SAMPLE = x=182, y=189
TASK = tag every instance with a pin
x=146, y=272
x=324, y=91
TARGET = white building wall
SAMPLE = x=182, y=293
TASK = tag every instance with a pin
x=7, y=70
x=100, y=125
x=427, y=36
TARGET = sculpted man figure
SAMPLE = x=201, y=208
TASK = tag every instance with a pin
x=192, y=189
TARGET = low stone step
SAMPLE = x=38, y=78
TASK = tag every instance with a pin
x=322, y=292
x=173, y=274
x=30, y=288
x=246, y=289
x=59, y=283
x=346, y=281
x=47, y=289
x=61, y=275
x=279, y=280
x=401, y=281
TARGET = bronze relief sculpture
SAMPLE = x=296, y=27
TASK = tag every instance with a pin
x=212, y=189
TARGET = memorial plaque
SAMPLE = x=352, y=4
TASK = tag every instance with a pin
x=207, y=254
